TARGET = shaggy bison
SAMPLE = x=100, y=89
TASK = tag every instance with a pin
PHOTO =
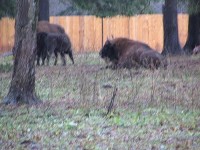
x=58, y=43
x=48, y=43
x=196, y=50
x=45, y=26
x=126, y=53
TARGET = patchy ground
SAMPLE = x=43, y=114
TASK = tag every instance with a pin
x=152, y=109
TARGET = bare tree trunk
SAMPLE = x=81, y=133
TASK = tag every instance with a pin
x=44, y=10
x=171, y=39
x=193, y=38
x=22, y=88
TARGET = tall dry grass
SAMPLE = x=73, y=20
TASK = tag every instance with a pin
x=86, y=84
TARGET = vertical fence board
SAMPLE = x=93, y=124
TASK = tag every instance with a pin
x=156, y=32
x=72, y=29
x=142, y=27
x=1, y=34
x=97, y=34
x=183, y=28
x=132, y=28
x=106, y=29
x=88, y=33
x=76, y=41
x=4, y=35
x=11, y=35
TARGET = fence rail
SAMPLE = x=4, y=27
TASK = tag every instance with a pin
x=88, y=33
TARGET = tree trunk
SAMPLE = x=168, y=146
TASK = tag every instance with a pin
x=22, y=88
x=44, y=10
x=170, y=25
x=193, y=38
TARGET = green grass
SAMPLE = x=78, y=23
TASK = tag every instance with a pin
x=152, y=110
x=6, y=64
x=60, y=127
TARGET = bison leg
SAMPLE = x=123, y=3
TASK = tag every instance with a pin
x=63, y=58
x=71, y=57
x=48, y=56
x=48, y=60
x=43, y=59
x=44, y=55
x=38, y=55
x=38, y=60
x=56, y=58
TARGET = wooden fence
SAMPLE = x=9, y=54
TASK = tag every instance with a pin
x=88, y=33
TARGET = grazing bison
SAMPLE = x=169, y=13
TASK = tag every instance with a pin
x=58, y=43
x=126, y=53
x=48, y=43
x=196, y=50
x=41, y=47
x=45, y=26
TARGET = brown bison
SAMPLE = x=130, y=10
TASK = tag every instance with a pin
x=48, y=43
x=45, y=26
x=196, y=50
x=127, y=53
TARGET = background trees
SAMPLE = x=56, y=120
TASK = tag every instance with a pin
x=22, y=87
x=105, y=8
x=7, y=8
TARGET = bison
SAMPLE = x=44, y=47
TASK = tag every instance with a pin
x=48, y=43
x=127, y=53
x=196, y=50
x=45, y=26
x=58, y=43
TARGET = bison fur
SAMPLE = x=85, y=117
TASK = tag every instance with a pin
x=127, y=53
x=59, y=43
x=153, y=60
x=45, y=26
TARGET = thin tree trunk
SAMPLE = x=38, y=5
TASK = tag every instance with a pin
x=171, y=39
x=22, y=88
x=44, y=10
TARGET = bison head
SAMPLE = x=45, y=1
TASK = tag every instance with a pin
x=108, y=52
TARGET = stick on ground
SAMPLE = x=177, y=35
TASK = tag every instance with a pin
x=112, y=101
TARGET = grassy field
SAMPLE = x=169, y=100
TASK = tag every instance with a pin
x=152, y=109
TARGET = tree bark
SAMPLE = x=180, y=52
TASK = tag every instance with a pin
x=193, y=38
x=170, y=25
x=44, y=10
x=22, y=88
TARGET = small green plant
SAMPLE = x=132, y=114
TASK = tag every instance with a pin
x=6, y=64
x=7, y=67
